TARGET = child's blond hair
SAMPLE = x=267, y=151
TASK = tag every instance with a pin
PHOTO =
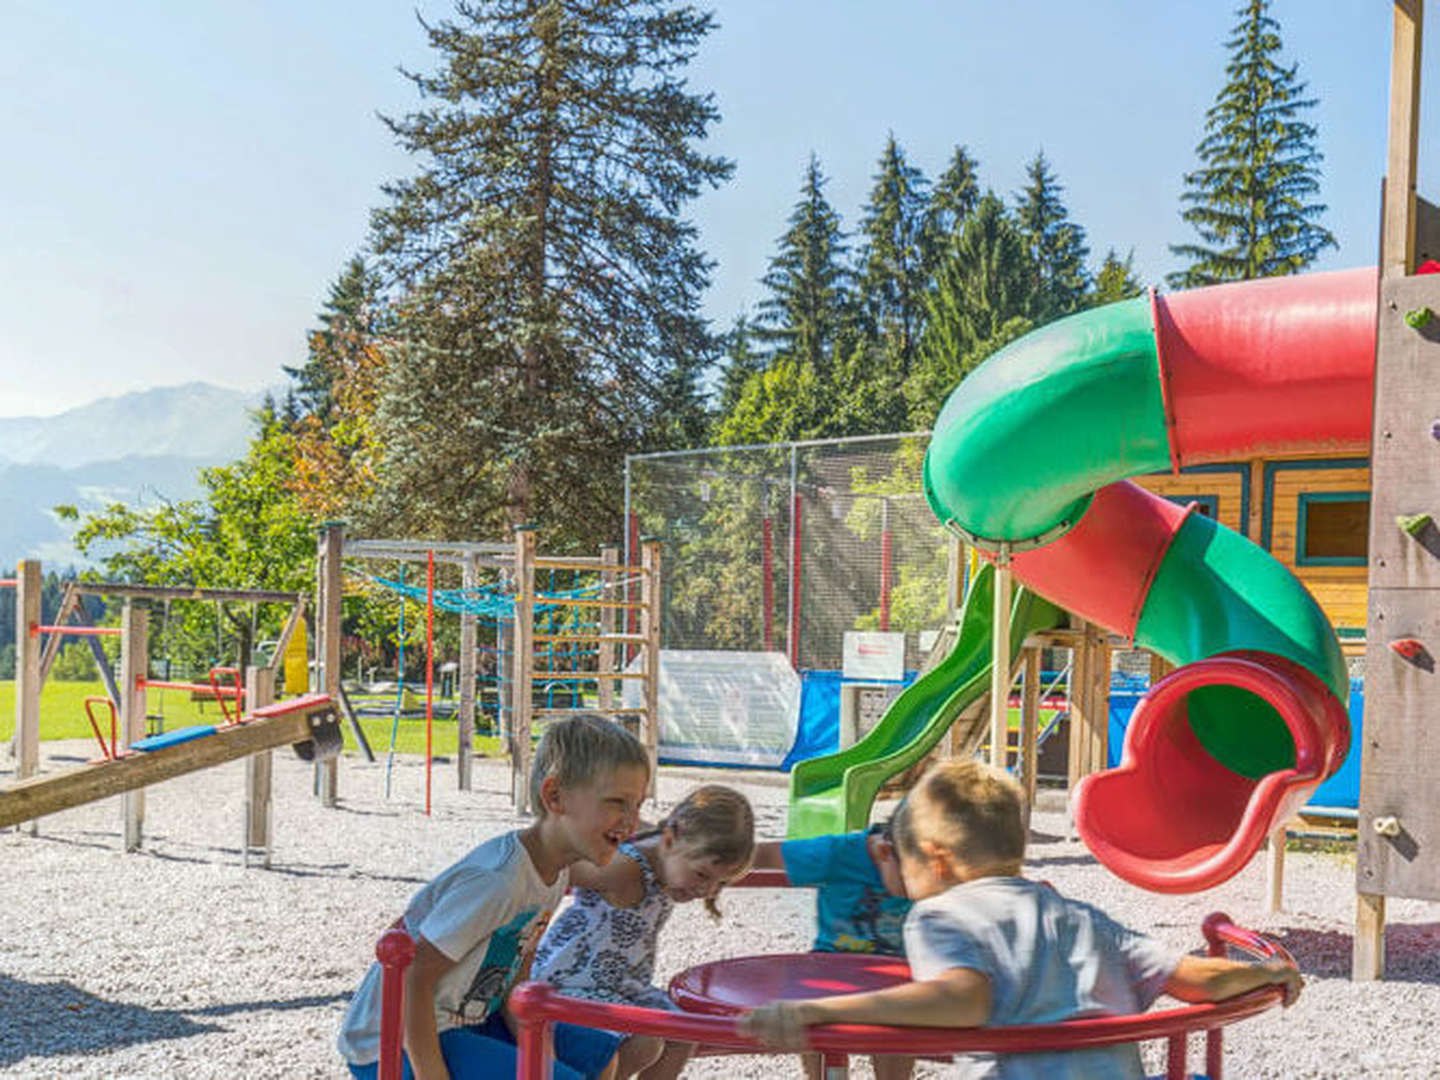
x=579, y=749
x=713, y=822
x=972, y=810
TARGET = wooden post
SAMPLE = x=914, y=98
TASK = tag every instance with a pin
x=523, y=642
x=1367, y=961
x=954, y=577
x=465, y=737
x=606, y=661
x=1099, y=756
x=1398, y=236
x=1080, y=708
x=55, y=642
x=650, y=594
x=28, y=585
x=1275, y=872
x=1030, y=725
x=327, y=648
x=259, y=772
x=134, y=667
x=1000, y=664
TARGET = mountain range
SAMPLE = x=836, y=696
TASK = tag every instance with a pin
x=140, y=449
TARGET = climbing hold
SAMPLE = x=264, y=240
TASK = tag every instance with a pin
x=1435, y=430
x=1419, y=318
x=1387, y=826
x=1413, y=524
x=1408, y=647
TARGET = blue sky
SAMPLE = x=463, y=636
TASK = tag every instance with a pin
x=182, y=182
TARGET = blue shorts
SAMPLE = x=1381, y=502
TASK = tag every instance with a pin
x=488, y=1050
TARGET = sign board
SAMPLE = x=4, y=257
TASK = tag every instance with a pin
x=927, y=641
x=723, y=708
x=874, y=656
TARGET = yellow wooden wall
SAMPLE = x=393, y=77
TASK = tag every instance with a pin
x=1340, y=590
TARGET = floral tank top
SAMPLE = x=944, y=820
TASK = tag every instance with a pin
x=603, y=953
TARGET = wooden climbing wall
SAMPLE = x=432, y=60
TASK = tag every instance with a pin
x=1400, y=758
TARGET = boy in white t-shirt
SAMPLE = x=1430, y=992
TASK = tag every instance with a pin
x=477, y=923
x=988, y=947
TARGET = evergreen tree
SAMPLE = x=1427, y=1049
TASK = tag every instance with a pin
x=893, y=272
x=982, y=296
x=1252, y=198
x=350, y=319
x=1055, y=243
x=808, y=281
x=954, y=198
x=740, y=363
x=1115, y=280
x=552, y=285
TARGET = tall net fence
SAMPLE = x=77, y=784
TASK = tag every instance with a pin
x=787, y=546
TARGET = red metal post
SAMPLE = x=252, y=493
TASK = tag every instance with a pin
x=36, y=629
x=885, y=580
x=794, y=642
x=1175, y=1058
x=532, y=1042
x=238, y=693
x=429, y=671
x=395, y=951
x=767, y=581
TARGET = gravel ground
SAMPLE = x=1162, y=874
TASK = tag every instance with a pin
x=178, y=962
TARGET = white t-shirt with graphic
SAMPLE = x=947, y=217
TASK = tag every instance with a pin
x=486, y=913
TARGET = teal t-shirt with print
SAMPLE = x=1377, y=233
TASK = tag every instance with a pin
x=853, y=910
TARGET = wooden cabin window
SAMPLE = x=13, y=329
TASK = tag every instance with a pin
x=1332, y=528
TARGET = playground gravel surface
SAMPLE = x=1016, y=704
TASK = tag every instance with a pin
x=177, y=961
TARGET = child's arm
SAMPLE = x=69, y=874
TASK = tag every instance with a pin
x=767, y=856
x=620, y=882
x=959, y=997
x=1214, y=978
x=422, y=1040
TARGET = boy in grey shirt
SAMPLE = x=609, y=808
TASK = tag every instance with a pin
x=988, y=947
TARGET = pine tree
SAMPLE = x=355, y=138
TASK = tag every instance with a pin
x=808, y=281
x=1115, y=280
x=954, y=198
x=1055, y=243
x=983, y=294
x=893, y=270
x=551, y=282
x=1252, y=198
x=741, y=361
x=350, y=319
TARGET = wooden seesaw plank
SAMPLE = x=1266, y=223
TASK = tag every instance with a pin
x=292, y=721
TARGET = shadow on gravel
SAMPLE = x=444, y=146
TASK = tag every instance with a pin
x=313, y=1001
x=42, y=1019
x=1412, y=952
x=1037, y=837
x=1062, y=860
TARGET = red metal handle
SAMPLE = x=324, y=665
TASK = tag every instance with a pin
x=395, y=952
x=238, y=693
x=110, y=751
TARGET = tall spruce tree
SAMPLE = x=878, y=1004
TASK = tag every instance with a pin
x=953, y=199
x=742, y=360
x=551, y=284
x=809, y=284
x=1115, y=280
x=1252, y=200
x=983, y=295
x=893, y=270
x=352, y=317
x=1055, y=243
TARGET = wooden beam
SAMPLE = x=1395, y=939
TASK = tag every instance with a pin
x=1030, y=726
x=1367, y=960
x=609, y=559
x=1275, y=872
x=41, y=795
x=1398, y=236
x=327, y=648
x=1000, y=674
x=28, y=585
x=522, y=650
x=55, y=642
x=259, y=774
x=183, y=592
x=277, y=662
x=465, y=728
x=134, y=667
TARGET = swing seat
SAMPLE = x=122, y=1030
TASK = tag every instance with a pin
x=173, y=738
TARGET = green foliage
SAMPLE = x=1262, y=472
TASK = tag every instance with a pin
x=352, y=317
x=76, y=663
x=1115, y=280
x=785, y=401
x=1056, y=244
x=742, y=360
x=894, y=270
x=956, y=194
x=809, y=283
x=1252, y=199
x=550, y=283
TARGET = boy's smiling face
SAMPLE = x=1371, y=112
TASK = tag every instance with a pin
x=598, y=815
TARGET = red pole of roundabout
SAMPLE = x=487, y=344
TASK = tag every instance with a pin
x=429, y=670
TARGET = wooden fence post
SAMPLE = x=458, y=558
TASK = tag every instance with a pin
x=28, y=585
x=134, y=668
x=259, y=773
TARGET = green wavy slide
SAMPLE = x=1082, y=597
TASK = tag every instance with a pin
x=834, y=793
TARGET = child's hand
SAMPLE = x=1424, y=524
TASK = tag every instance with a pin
x=779, y=1025
x=1285, y=975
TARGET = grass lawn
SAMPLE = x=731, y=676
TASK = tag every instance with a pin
x=62, y=716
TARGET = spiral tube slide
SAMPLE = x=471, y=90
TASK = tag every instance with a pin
x=1254, y=718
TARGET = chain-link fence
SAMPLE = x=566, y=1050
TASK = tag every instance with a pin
x=786, y=546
